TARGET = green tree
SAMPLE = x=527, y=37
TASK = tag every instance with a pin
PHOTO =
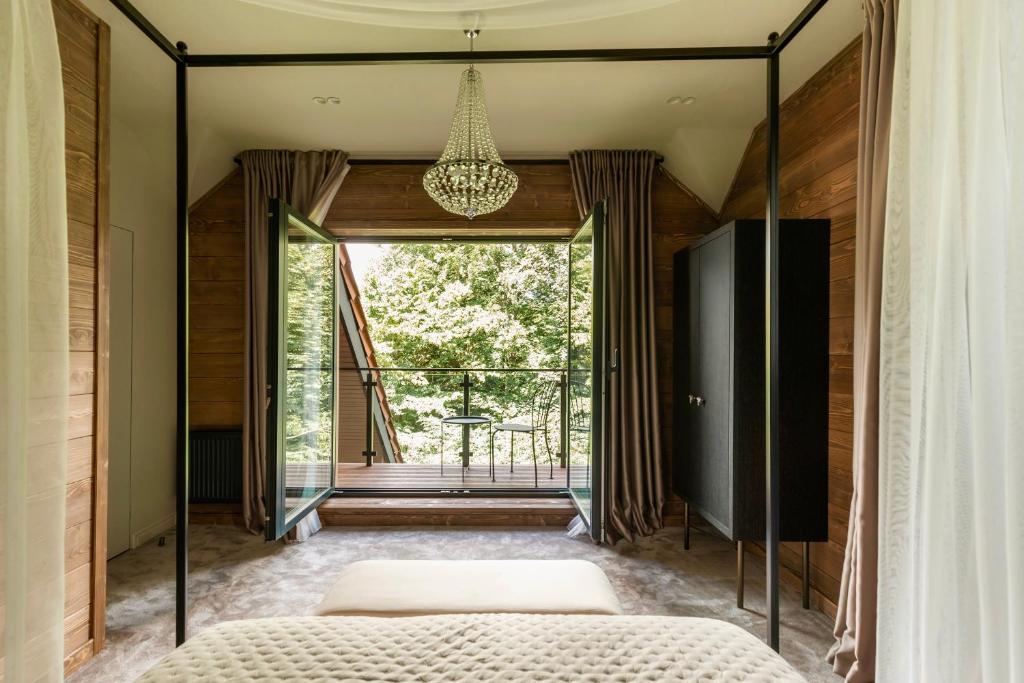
x=309, y=380
x=466, y=305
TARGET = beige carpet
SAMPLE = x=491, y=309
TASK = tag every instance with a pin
x=236, y=576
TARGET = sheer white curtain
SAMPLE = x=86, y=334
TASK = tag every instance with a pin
x=33, y=343
x=951, y=432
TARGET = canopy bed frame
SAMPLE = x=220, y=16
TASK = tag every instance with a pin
x=770, y=53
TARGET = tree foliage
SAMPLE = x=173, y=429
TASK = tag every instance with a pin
x=310, y=351
x=467, y=306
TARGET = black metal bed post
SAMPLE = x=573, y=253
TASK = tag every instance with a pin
x=485, y=57
x=772, y=393
x=181, y=508
x=770, y=53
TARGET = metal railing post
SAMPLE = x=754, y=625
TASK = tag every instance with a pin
x=369, y=453
x=563, y=409
x=466, y=384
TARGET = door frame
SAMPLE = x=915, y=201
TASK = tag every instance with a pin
x=279, y=522
x=464, y=490
x=598, y=380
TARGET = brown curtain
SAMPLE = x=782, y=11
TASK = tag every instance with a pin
x=853, y=654
x=633, y=463
x=308, y=181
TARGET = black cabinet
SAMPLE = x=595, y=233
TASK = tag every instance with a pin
x=719, y=379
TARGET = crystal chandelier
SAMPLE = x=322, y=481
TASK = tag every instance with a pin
x=470, y=179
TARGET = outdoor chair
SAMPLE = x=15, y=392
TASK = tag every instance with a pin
x=540, y=408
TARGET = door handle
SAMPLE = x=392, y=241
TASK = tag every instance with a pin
x=614, y=367
x=691, y=397
x=700, y=401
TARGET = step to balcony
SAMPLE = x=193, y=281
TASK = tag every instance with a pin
x=446, y=511
x=368, y=511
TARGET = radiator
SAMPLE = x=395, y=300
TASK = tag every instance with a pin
x=215, y=466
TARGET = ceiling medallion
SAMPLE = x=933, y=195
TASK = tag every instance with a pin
x=470, y=179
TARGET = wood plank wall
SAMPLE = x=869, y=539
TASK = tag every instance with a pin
x=680, y=218
x=386, y=201
x=818, y=179
x=217, y=298
x=84, y=43
x=352, y=410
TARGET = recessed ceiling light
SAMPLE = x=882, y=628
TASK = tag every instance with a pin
x=676, y=99
x=320, y=99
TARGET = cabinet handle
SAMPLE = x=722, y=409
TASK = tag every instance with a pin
x=700, y=401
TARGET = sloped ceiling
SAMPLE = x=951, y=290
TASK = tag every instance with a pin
x=537, y=110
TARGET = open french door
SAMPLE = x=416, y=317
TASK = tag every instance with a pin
x=302, y=333
x=587, y=358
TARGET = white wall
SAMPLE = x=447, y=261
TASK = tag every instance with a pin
x=142, y=200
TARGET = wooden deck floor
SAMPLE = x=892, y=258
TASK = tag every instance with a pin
x=410, y=476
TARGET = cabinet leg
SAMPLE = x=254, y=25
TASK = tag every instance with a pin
x=739, y=574
x=686, y=526
x=805, y=588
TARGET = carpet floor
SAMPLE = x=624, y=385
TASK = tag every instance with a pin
x=235, y=575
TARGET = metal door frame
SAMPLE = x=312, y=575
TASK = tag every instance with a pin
x=279, y=521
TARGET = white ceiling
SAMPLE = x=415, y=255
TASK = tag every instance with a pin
x=538, y=110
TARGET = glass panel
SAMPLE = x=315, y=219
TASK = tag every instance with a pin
x=309, y=375
x=581, y=360
x=421, y=442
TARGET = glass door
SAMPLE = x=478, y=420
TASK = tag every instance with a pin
x=301, y=343
x=586, y=362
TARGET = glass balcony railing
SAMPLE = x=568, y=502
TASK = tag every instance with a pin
x=453, y=428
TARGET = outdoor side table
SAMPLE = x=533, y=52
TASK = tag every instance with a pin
x=466, y=421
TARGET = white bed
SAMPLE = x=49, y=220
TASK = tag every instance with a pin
x=474, y=647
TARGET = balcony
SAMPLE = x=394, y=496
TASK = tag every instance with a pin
x=401, y=429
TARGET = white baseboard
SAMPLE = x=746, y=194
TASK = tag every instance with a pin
x=152, y=531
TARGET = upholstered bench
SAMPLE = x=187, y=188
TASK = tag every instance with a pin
x=403, y=588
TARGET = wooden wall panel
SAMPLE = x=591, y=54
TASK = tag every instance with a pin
x=216, y=298
x=387, y=200
x=818, y=179
x=352, y=411
x=680, y=218
x=84, y=43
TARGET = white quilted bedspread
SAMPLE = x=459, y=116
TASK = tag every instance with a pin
x=474, y=647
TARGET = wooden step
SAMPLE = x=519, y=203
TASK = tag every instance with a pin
x=447, y=511
x=434, y=512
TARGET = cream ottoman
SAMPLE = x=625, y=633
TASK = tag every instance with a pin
x=402, y=588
